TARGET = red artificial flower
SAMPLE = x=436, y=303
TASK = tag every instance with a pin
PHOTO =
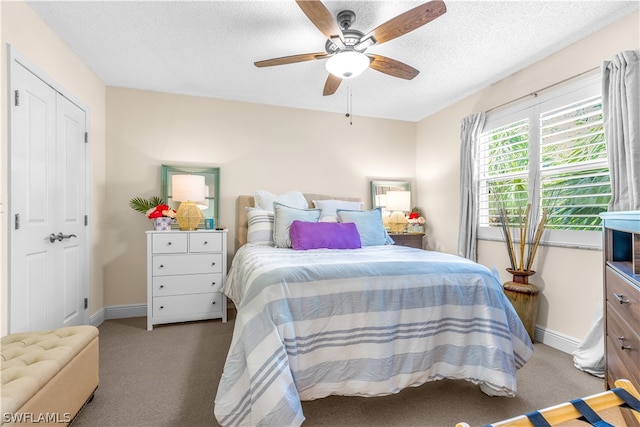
x=157, y=211
x=414, y=215
x=155, y=214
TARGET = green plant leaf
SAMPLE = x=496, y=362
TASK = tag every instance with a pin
x=142, y=205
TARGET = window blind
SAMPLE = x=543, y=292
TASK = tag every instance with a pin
x=575, y=184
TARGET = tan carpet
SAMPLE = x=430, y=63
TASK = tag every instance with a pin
x=169, y=377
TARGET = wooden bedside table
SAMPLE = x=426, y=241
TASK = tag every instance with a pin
x=412, y=240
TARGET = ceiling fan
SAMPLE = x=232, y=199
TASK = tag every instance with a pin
x=345, y=47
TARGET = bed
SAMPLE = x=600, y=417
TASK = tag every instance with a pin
x=367, y=321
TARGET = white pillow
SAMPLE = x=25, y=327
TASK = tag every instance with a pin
x=260, y=230
x=284, y=216
x=264, y=200
x=329, y=207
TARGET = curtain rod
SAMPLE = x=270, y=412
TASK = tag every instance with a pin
x=535, y=93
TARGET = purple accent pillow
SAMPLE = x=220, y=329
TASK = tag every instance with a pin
x=329, y=235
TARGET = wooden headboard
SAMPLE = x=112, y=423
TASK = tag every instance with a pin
x=242, y=221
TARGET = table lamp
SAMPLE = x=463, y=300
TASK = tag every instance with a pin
x=398, y=202
x=203, y=203
x=188, y=189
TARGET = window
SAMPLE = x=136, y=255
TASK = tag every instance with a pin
x=549, y=152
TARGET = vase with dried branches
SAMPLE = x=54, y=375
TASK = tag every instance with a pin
x=522, y=231
x=528, y=230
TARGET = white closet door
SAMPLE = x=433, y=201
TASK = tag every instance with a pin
x=47, y=200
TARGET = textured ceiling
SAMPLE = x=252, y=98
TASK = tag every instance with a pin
x=207, y=48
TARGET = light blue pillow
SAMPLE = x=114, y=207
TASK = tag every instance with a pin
x=283, y=217
x=368, y=223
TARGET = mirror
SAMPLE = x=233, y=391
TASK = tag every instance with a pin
x=379, y=190
x=211, y=180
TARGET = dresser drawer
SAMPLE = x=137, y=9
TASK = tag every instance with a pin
x=616, y=368
x=623, y=296
x=623, y=339
x=169, y=243
x=187, y=284
x=167, y=265
x=179, y=305
x=205, y=242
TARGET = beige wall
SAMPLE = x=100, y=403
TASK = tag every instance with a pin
x=133, y=132
x=26, y=32
x=255, y=146
x=570, y=279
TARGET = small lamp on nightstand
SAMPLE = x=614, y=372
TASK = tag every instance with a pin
x=398, y=202
x=188, y=189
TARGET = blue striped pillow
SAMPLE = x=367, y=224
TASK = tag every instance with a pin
x=260, y=229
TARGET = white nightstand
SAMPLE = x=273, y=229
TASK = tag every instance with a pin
x=185, y=274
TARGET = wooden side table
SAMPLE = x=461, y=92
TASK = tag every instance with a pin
x=412, y=240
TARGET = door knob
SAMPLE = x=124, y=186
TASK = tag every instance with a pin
x=60, y=237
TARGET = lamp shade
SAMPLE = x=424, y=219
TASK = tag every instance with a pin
x=381, y=200
x=399, y=201
x=187, y=187
x=347, y=65
x=204, y=202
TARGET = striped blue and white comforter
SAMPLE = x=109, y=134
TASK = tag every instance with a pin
x=364, y=322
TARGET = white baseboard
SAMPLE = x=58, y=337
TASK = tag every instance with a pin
x=97, y=318
x=118, y=312
x=125, y=311
x=556, y=340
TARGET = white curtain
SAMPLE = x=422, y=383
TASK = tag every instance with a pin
x=621, y=107
x=469, y=133
x=621, y=111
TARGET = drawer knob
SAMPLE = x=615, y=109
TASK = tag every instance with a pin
x=161, y=265
x=213, y=283
x=623, y=346
x=621, y=299
x=213, y=263
x=213, y=302
x=161, y=286
x=168, y=243
x=205, y=242
x=161, y=307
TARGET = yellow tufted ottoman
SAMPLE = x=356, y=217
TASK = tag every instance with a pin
x=47, y=376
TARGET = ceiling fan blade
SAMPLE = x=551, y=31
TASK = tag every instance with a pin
x=290, y=59
x=392, y=67
x=331, y=85
x=322, y=18
x=408, y=21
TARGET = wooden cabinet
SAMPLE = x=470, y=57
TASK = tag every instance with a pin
x=185, y=274
x=413, y=240
x=622, y=299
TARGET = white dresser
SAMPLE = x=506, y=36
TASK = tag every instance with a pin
x=185, y=274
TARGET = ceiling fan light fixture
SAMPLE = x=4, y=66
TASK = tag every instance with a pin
x=347, y=65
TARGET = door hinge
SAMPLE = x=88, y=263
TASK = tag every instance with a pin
x=86, y=137
x=86, y=303
x=17, y=98
x=17, y=222
x=86, y=220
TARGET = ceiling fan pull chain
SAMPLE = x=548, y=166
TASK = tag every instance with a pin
x=349, y=106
